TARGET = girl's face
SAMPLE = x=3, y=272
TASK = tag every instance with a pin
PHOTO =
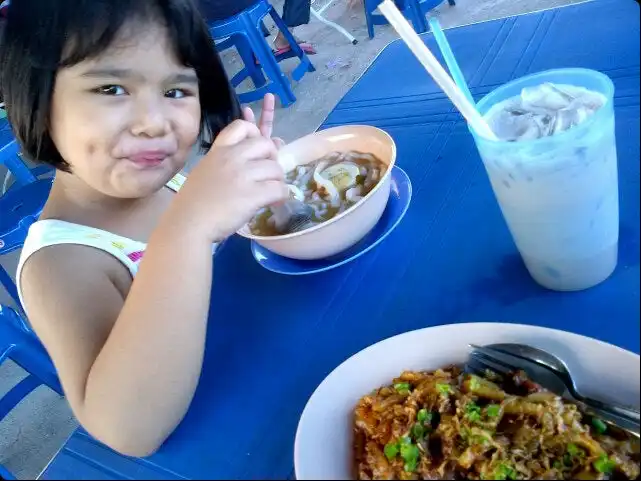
x=126, y=121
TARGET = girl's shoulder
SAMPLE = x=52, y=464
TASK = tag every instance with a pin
x=69, y=242
x=51, y=232
x=64, y=261
x=65, y=239
x=54, y=231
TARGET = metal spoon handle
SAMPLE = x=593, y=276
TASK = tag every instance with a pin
x=619, y=410
x=549, y=361
x=624, y=423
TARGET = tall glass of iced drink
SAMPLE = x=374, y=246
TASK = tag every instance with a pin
x=554, y=173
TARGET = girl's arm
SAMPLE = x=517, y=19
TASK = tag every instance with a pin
x=129, y=358
x=129, y=369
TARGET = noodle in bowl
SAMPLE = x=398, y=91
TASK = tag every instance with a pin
x=346, y=228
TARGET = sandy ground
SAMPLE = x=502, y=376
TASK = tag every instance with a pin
x=34, y=431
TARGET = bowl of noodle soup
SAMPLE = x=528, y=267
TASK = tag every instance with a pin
x=343, y=175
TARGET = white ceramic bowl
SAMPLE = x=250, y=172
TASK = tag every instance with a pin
x=346, y=229
x=323, y=448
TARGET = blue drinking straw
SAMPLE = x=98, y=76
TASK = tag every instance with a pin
x=450, y=60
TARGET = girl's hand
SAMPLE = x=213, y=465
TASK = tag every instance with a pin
x=237, y=177
x=266, y=122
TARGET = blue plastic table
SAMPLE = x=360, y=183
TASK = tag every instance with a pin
x=272, y=339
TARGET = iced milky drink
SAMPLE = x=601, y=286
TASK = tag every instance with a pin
x=554, y=173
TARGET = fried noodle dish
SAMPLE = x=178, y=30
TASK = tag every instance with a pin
x=447, y=424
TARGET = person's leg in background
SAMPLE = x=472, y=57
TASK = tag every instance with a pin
x=295, y=13
x=264, y=29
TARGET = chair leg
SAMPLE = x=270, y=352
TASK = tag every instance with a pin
x=417, y=15
x=247, y=56
x=305, y=64
x=17, y=394
x=279, y=84
x=250, y=69
x=368, y=19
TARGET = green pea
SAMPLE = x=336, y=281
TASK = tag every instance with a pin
x=410, y=466
x=472, y=407
x=444, y=388
x=391, y=450
x=473, y=412
x=478, y=439
x=599, y=426
x=402, y=387
x=574, y=451
x=409, y=452
x=418, y=431
x=493, y=410
x=604, y=464
x=422, y=415
x=504, y=471
x=474, y=417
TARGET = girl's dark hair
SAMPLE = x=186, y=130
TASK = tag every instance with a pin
x=42, y=36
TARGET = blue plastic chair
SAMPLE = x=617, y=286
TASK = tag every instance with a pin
x=19, y=208
x=414, y=10
x=10, y=158
x=244, y=32
x=19, y=343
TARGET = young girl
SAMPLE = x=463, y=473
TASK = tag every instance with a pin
x=115, y=94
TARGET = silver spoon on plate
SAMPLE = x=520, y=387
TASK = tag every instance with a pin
x=557, y=365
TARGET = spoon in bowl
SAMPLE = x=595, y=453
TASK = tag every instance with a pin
x=292, y=216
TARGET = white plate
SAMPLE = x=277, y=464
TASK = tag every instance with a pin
x=323, y=448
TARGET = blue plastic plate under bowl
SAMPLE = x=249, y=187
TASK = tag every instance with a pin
x=399, y=201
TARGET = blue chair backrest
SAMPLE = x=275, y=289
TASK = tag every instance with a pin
x=9, y=157
x=19, y=208
x=19, y=343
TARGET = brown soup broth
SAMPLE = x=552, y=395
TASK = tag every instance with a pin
x=356, y=174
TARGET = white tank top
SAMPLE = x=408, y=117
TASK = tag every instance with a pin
x=49, y=232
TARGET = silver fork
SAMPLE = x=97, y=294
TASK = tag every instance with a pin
x=484, y=358
x=558, y=366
